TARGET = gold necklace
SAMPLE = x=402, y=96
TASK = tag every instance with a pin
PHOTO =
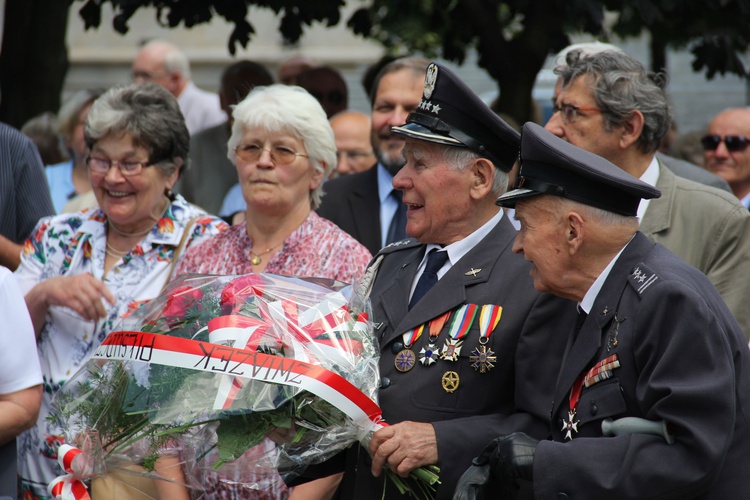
x=113, y=252
x=255, y=257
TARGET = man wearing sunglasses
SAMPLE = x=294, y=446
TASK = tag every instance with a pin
x=725, y=149
x=611, y=105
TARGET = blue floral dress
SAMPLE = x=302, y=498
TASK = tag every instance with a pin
x=72, y=244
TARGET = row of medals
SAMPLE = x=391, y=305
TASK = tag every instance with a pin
x=482, y=359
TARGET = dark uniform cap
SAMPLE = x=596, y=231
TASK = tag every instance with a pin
x=550, y=165
x=450, y=113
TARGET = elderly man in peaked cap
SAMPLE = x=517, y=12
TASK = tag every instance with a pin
x=464, y=351
x=653, y=397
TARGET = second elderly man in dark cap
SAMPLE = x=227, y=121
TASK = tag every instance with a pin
x=464, y=354
x=653, y=397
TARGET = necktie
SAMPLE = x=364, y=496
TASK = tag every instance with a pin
x=397, y=228
x=435, y=261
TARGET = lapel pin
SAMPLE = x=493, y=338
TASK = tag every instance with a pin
x=473, y=272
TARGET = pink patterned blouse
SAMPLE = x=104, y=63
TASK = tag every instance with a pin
x=317, y=248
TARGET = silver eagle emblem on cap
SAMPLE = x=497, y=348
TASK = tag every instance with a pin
x=429, y=80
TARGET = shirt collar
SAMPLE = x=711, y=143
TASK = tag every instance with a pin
x=588, y=300
x=650, y=177
x=461, y=247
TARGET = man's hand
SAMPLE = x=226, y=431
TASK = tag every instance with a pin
x=513, y=458
x=403, y=447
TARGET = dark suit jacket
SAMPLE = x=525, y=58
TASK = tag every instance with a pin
x=352, y=203
x=514, y=395
x=684, y=360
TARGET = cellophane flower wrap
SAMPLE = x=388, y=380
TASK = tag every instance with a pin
x=217, y=364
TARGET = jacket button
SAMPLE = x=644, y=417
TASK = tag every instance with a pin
x=384, y=382
x=563, y=496
x=594, y=409
x=397, y=347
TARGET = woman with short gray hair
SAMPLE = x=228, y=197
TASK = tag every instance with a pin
x=82, y=272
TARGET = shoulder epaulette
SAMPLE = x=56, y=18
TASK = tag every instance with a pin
x=641, y=278
x=398, y=245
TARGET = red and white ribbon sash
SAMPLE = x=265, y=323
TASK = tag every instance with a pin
x=69, y=486
x=243, y=363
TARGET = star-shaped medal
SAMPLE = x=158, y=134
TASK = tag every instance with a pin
x=482, y=358
x=451, y=350
x=428, y=355
x=571, y=425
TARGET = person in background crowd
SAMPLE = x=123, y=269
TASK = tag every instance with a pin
x=163, y=63
x=291, y=67
x=71, y=178
x=24, y=193
x=326, y=84
x=81, y=273
x=283, y=147
x=687, y=146
x=365, y=204
x=43, y=132
x=351, y=129
x=725, y=149
x=450, y=381
x=611, y=105
x=211, y=173
x=20, y=378
x=654, y=391
x=677, y=166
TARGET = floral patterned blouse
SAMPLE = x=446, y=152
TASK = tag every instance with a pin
x=72, y=244
x=318, y=248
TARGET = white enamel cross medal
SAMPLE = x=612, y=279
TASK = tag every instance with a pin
x=571, y=425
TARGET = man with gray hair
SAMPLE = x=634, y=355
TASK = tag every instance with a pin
x=163, y=63
x=610, y=105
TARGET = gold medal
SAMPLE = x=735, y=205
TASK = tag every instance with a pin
x=405, y=360
x=450, y=381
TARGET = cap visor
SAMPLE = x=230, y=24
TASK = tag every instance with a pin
x=509, y=199
x=416, y=131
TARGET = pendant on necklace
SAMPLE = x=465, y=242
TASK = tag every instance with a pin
x=255, y=260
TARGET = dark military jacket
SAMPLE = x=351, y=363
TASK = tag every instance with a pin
x=467, y=408
x=683, y=360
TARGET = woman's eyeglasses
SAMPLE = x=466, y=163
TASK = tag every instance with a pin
x=280, y=155
x=734, y=143
x=127, y=168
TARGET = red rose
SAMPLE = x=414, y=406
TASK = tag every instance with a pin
x=182, y=299
x=237, y=291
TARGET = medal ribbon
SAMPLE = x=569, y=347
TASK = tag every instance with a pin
x=436, y=325
x=489, y=317
x=462, y=321
x=244, y=363
x=601, y=371
x=412, y=335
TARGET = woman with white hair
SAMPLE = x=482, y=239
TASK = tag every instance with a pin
x=283, y=148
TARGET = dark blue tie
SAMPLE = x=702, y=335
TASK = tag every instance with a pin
x=397, y=228
x=435, y=260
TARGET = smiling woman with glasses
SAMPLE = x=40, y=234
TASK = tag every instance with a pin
x=82, y=272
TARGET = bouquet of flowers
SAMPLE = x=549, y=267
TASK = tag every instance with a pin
x=217, y=365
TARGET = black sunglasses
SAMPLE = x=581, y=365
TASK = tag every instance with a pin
x=734, y=143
